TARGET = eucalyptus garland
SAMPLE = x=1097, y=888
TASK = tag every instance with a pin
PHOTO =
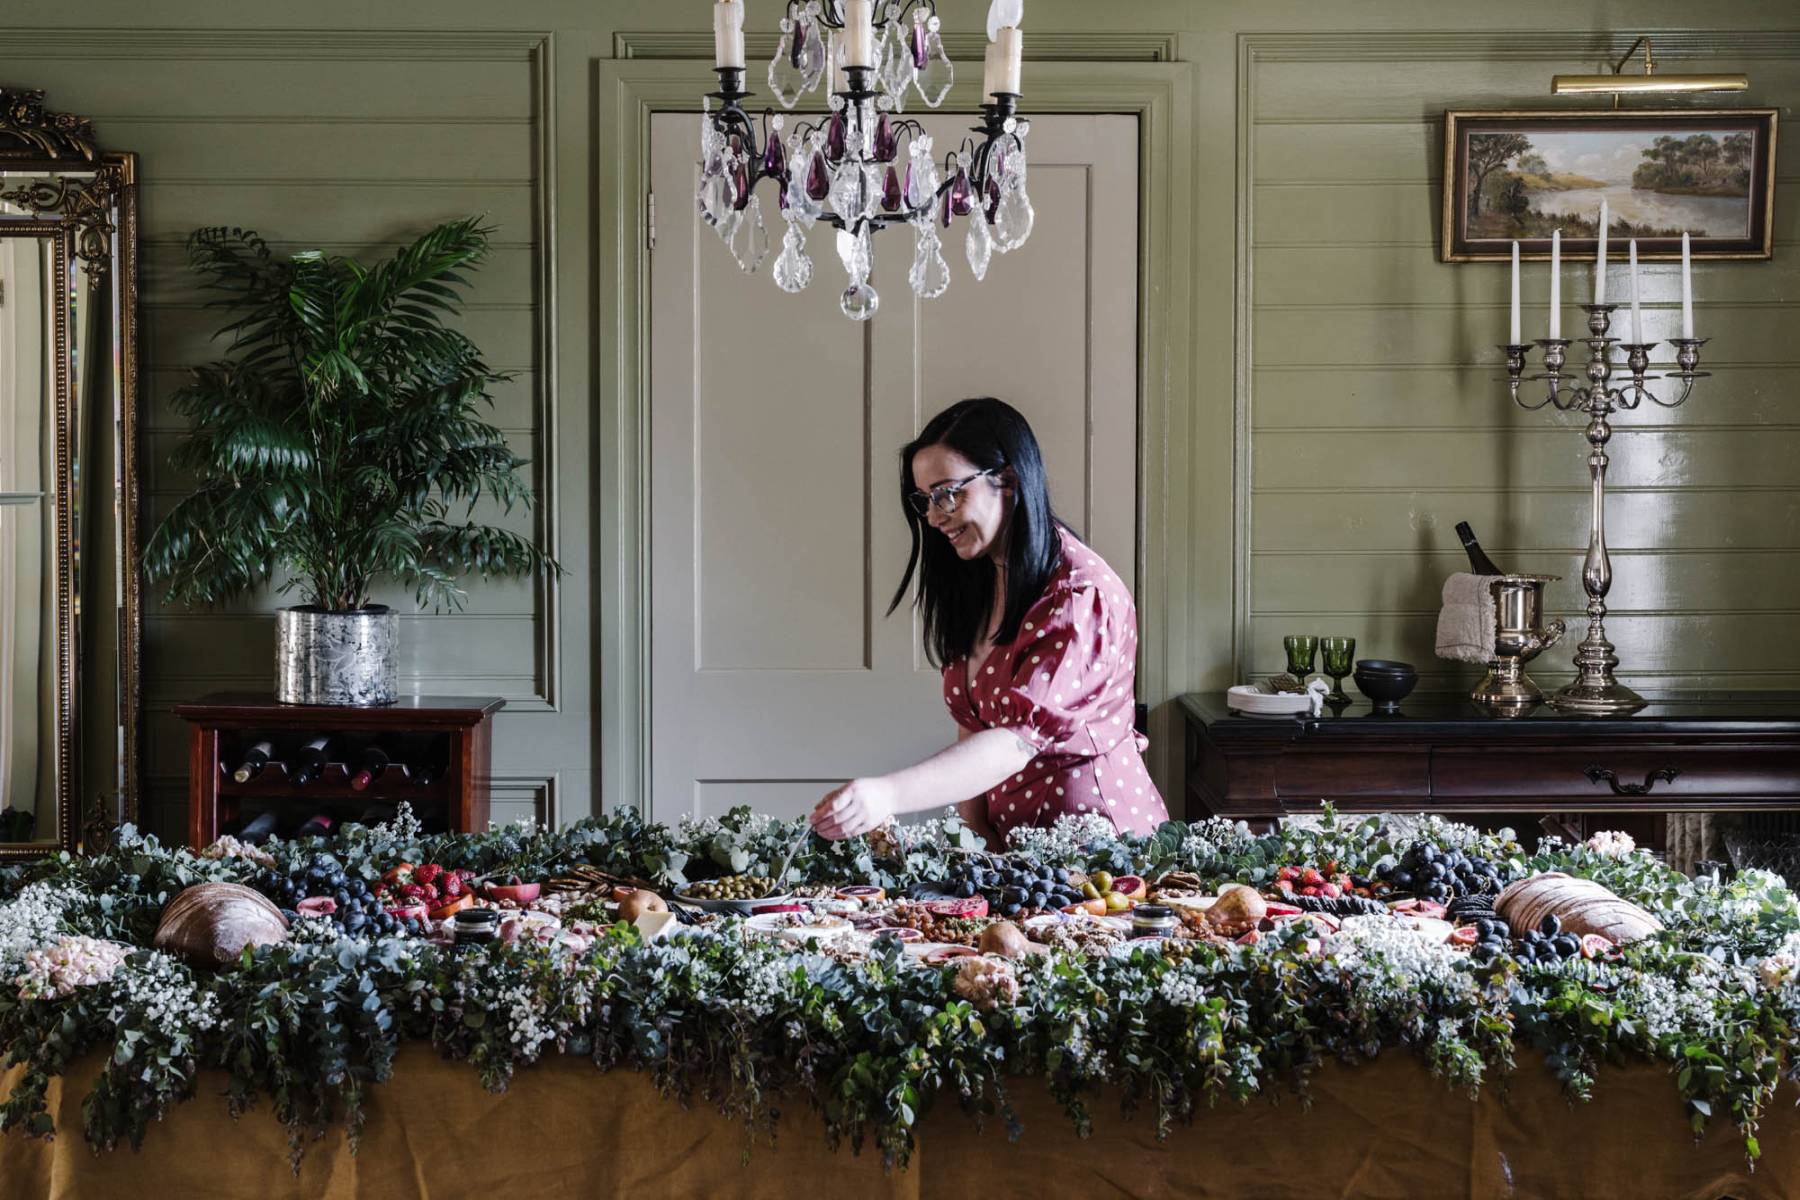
x=309, y=1026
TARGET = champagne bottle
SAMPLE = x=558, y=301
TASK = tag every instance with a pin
x=371, y=764
x=309, y=763
x=255, y=759
x=1479, y=562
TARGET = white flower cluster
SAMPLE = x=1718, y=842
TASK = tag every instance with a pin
x=1063, y=841
x=66, y=964
x=761, y=986
x=1215, y=838
x=1182, y=987
x=30, y=922
x=318, y=931
x=1670, y=1004
x=229, y=847
x=1399, y=949
x=985, y=982
x=162, y=995
x=1611, y=843
x=756, y=824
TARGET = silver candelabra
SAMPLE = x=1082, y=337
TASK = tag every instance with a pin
x=1595, y=690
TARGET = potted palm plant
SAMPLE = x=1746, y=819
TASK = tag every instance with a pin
x=339, y=442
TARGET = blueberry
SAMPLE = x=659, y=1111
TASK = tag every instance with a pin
x=1567, y=945
x=1550, y=926
x=358, y=888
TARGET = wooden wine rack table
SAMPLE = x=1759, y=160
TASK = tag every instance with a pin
x=452, y=734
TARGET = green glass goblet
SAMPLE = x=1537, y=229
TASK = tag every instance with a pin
x=1337, y=656
x=1300, y=651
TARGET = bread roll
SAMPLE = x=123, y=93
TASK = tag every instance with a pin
x=1582, y=906
x=213, y=922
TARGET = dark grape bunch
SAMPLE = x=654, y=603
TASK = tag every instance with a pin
x=1009, y=885
x=1433, y=873
x=1547, y=943
x=1337, y=906
x=359, y=911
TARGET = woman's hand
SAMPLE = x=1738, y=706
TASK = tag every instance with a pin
x=857, y=807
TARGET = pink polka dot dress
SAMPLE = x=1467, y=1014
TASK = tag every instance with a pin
x=1066, y=686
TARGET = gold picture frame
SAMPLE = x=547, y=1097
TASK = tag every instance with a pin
x=1709, y=172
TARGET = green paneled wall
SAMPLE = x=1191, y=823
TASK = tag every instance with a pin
x=1342, y=413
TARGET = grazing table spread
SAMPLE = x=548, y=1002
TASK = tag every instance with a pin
x=1359, y=1007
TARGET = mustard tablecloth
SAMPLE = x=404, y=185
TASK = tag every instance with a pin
x=566, y=1129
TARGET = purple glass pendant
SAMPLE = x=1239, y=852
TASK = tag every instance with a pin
x=947, y=210
x=918, y=45
x=818, y=179
x=775, y=159
x=961, y=203
x=799, y=49
x=890, y=191
x=740, y=185
x=993, y=198
x=887, y=146
x=834, y=138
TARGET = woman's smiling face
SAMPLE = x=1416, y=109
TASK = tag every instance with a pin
x=978, y=526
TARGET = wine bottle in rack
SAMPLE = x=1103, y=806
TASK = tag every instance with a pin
x=310, y=762
x=254, y=760
x=1479, y=562
x=370, y=765
x=430, y=766
x=259, y=828
x=317, y=825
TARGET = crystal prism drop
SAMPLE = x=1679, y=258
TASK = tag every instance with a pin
x=793, y=268
x=887, y=146
x=811, y=54
x=750, y=240
x=1013, y=218
x=961, y=202
x=787, y=78
x=921, y=175
x=890, y=191
x=897, y=69
x=834, y=138
x=855, y=252
x=930, y=274
x=715, y=197
x=936, y=75
x=799, y=201
x=855, y=189
x=818, y=178
x=980, y=247
x=859, y=302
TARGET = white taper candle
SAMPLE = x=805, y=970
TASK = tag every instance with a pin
x=1637, y=316
x=1687, y=290
x=1600, y=258
x=1010, y=55
x=859, y=33
x=1513, y=337
x=1555, y=283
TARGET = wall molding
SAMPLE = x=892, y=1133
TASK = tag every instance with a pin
x=399, y=45
x=1522, y=46
x=1041, y=46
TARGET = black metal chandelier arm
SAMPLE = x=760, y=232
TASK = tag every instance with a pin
x=831, y=13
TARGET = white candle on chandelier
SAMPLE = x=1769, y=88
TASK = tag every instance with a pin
x=1600, y=259
x=1637, y=317
x=859, y=33
x=1687, y=291
x=1555, y=284
x=1513, y=338
x=1009, y=55
x=728, y=34
x=990, y=70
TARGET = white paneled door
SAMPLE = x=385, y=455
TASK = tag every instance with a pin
x=776, y=533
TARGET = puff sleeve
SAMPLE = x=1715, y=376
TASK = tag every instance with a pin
x=1066, y=688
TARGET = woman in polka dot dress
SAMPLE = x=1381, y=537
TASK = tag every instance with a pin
x=1036, y=635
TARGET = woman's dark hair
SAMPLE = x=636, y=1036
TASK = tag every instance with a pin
x=954, y=594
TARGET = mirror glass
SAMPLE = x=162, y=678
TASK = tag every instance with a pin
x=63, y=574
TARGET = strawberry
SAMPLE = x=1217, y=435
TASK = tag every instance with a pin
x=412, y=892
x=453, y=886
x=431, y=893
x=1331, y=890
x=1311, y=877
x=428, y=873
x=1309, y=891
x=1287, y=873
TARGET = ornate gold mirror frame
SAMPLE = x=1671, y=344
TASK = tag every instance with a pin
x=70, y=618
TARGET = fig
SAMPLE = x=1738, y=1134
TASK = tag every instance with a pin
x=1005, y=939
x=638, y=903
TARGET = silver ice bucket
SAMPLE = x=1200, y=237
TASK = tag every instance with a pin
x=336, y=657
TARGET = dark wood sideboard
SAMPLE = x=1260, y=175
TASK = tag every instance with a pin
x=1701, y=752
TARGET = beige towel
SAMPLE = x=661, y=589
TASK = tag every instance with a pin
x=1465, y=631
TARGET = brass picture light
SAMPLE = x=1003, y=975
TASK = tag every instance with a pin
x=1649, y=81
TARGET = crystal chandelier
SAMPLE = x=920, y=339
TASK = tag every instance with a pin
x=863, y=166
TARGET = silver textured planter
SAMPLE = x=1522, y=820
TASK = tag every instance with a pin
x=336, y=657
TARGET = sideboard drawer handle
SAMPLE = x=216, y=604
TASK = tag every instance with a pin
x=1602, y=775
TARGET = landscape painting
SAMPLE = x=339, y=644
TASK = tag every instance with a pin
x=1522, y=176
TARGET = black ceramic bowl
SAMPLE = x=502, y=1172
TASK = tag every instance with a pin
x=1386, y=683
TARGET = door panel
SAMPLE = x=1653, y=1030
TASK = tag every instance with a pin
x=776, y=536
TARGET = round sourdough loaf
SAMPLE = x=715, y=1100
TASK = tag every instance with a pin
x=213, y=922
x=1582, y=906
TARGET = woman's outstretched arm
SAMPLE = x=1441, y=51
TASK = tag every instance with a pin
x=966, y=769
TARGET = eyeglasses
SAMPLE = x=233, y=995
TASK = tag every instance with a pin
x=943, y=496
